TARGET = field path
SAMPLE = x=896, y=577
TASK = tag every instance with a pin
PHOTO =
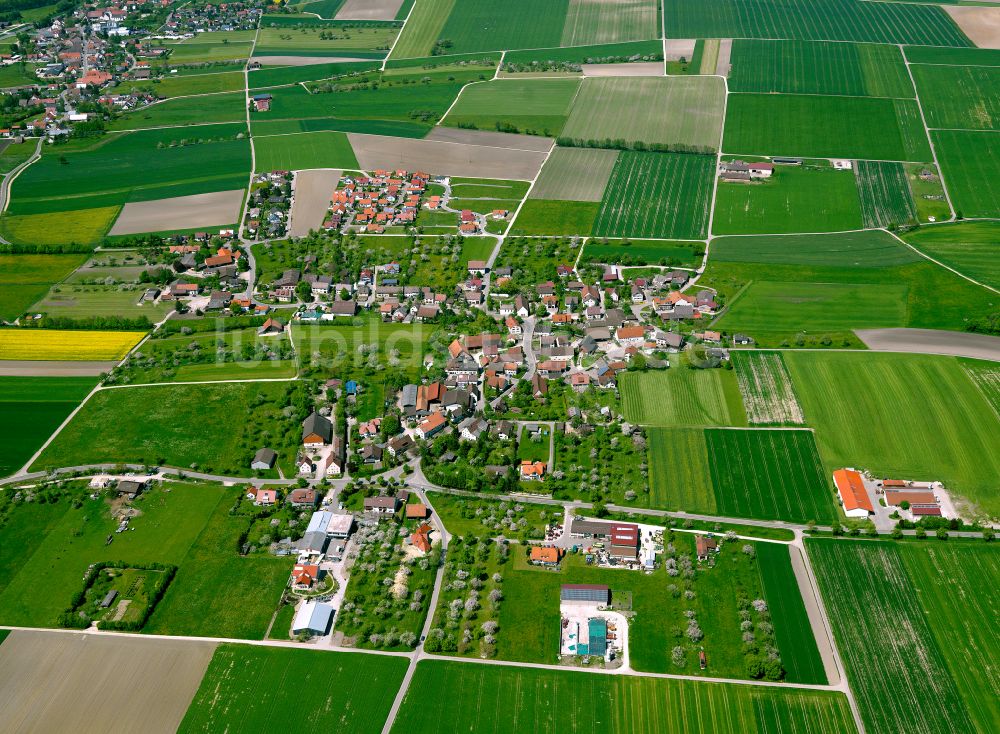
x=8, y=181
x=927, y=132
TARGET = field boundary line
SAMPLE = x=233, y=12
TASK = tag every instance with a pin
x=930, y=138
x=941, y=264
x=402, y=28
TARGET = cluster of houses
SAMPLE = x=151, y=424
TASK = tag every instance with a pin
x=271, y=197
x=742, y=171
x=371, y=203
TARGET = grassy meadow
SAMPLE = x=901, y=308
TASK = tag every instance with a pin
x=971, y=248
x=682, y=397
x=26, y=278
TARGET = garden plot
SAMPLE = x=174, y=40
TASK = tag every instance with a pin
x=181, y=212
x=575, y=174
x=369, y=10
x=670, y=111
x=97, y=684
x=313, y=192
x=766, y=387
x=449, y=159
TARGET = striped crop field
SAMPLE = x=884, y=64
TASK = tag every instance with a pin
x=986, y=375
x=682, y=397
x=968, y=247
x=598, y=21
x=662, y=195
x=422, y=29
x=664, y=110
x=970, y=164
x=818, y=67
x=792, y=631
x=447, y=697
x=959, y=97
x=52, y=344
x=829, y=20
x=914, y=416
x=575, y=174
x=769, y=475
x=956, y=585
x=766, y=387
x=885, y=194
x=894, y=665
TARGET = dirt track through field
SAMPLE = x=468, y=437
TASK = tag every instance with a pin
x=313, y=191
x=980, y=24
x=450, y=159
x=369, y=10
x=181, y=212
x=645, y=68
x=492, y=139
x=56, y=682
x=932, y=341
x=19, y=368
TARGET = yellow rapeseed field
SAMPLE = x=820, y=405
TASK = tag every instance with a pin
x=52, y=344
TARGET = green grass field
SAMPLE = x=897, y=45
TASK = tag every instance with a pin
x=497, y=699
x=851, y=249
x=904, y=683
x=679, y=477
x=544, y=217
x=970, y=248
x=34, y=407
x=167, y=425
x=482, y=25
x=811, y=67
x=170, y=524
x=325, y=695
x=955, y=586
x=958, y=97
x=815, y=307
x=215, y=108
x=663, y=195
x=912, y=416
x=644, y=252
x=953, y=56
x=769, y=475
x=26, y=278
x=886, y=199
x=304, y=150
x=531, y=106
x=177, y=85
x=677, y=111
x=794, y=199
x=682, y=397
x=422, y=29
x=970, y=164
x=81, y=226
x=272, y=76
x=830, y=20
x=85, y=301
x=823, y=127
x=324, y=39
x=791, y=624
x=15, y=154
x=136, y=166
x=197, y=604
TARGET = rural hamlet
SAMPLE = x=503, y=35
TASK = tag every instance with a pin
x=449, y=366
